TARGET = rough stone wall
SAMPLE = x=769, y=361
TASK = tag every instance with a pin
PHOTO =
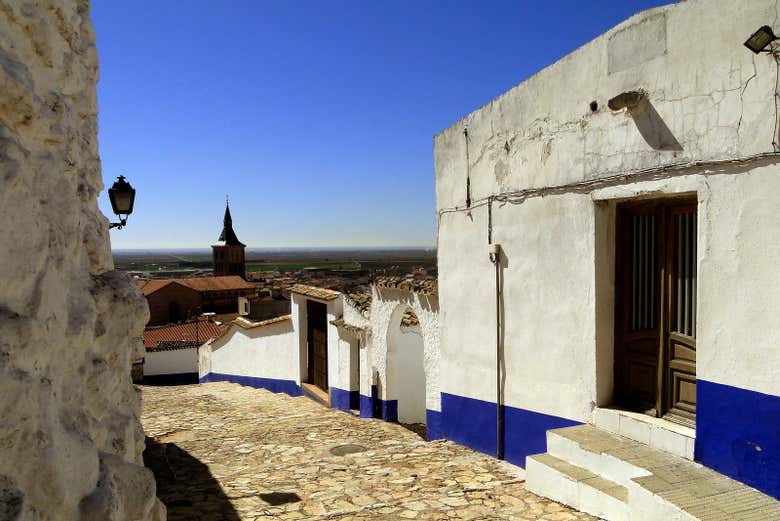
x=70, y=438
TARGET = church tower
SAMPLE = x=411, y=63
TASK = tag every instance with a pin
x=228, y=253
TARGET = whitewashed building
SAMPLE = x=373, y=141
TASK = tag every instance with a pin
x=376, y=355
x=608, y=242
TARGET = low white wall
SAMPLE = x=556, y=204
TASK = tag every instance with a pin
x=179, y=361
x=269, y=351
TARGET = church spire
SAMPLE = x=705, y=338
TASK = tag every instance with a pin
x=228, y=236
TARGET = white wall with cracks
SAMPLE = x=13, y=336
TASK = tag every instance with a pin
x=70, y=436
x=542, y=172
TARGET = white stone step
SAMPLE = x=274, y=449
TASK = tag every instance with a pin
x=654, y=484
x=579, y=447
x=576, y=487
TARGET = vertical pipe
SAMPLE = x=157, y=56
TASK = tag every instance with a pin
x=499, y=397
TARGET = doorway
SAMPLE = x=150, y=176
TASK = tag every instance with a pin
x=317, y=343
x=655, y=321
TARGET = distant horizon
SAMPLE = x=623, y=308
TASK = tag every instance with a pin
x=282, y=248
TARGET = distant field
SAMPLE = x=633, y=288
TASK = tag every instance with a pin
x=271, y=260
x=294, y=266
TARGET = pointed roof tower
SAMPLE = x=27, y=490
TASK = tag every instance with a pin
x=228, y=236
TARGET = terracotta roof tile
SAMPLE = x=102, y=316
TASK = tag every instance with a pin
x=409, y=319
x=248, y=324
x=360, y=301
x=189, y=332
x=199, y=284
x=318, y=293
x=339, y=322
x=428, y=286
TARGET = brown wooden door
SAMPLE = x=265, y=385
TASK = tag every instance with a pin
x=638, y=258
x=655, y=351
x=316, y=316
x=680, y=377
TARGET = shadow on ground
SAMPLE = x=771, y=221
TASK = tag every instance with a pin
x=185, y=485
x=417, y=428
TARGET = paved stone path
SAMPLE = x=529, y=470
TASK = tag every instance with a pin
x=222, y=452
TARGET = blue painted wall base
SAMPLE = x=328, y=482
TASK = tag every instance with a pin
x=472, y=423
x=344, y=400
x=373, y=407
x=738, y=434
x=171, y=379
x=271, y=384
x=433, y=425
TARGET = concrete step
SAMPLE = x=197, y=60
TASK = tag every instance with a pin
x=592, y=449
x=315, y=393
x=659, y=484
x=576, y=487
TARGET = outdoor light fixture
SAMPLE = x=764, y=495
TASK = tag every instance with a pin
x=760, y=39
x=122, y=197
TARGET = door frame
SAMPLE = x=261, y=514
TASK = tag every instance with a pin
x=310, y=355
x=663, y=209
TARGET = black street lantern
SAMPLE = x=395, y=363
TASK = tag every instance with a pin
x=760, y=39
x=122, y=197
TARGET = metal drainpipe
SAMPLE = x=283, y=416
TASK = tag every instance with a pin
x=495, y=258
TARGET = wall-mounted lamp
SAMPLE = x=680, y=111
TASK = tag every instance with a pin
x=122, y=197
x=760, y=39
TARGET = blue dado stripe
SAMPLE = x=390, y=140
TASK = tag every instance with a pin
x=472, y=422
x=738, y=434
x=373, y=407
x=433, y=425
x=171, y=379
x=469, y=422
x=344, y=400
x=271, y=384
x=525, y=432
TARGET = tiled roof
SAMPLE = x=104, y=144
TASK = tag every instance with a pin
x=409, y=319
x=248, y=324
x=188, y=332
x=318, y=293
x=360, y=301
x=174, y=345
x=199, y=284
x=339, y=322
x=428, y=286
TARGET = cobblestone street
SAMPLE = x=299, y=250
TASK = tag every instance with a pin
x=221, y=451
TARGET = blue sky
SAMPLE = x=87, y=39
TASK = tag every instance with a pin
x=317, y=118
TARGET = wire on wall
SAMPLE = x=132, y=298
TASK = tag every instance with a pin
x=468, y=169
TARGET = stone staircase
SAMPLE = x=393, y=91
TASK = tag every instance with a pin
x=616, y=478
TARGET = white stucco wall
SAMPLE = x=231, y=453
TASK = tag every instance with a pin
x=178, y=361
x=70, y=325
x=387, y=307
x=269, y=351
x=717, y=101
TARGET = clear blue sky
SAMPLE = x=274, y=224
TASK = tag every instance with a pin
x=316, y=117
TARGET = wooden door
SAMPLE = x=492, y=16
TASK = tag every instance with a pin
x=655, y=347
x=680, y=377
x=316, y=316
x=638, y=260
